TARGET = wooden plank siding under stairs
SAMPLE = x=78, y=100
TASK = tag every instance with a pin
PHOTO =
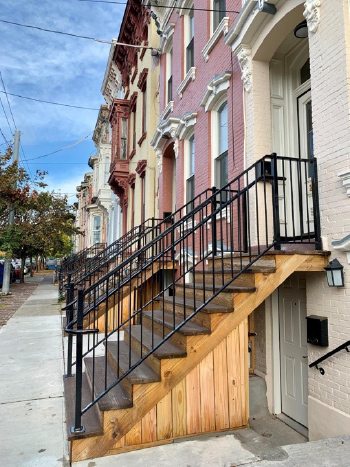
x=197, y=381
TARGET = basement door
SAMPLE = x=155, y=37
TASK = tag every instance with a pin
x=293, y=348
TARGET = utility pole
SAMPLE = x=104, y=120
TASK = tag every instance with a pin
x=7, y=264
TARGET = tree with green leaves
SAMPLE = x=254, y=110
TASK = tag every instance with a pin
x=44, y=222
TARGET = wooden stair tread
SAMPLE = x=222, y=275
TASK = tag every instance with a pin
x=189, y=303
x=252, y=270
x=142, y=374
x=189, y=329
x=90, y=419
x=228, y=289
x=166, y=350
x=116, y=398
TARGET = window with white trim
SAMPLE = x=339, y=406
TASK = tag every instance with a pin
x=190, y=173
x=189, y=40
x=123, y=138
x=169, y=75
x=219, y=12
x=221, y=159
x=97, y=230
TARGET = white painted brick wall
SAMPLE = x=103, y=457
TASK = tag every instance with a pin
x=329, y=59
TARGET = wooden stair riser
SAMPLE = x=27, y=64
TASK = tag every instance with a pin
x=202, y=318
x=236, y=264
x=152, y=361
x=124, y=382
x=177, y=339
x=243, y=280
x=100, y=412
x=224, y=298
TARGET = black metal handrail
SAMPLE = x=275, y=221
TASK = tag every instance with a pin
x=316, y=363
x=269, y=204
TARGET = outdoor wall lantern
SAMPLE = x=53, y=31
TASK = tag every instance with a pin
x=335, y=274
x=301, y=30
x=266, y=7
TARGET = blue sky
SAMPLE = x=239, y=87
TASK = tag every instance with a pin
x=60, y=69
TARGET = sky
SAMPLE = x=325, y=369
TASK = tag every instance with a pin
x=56, y=68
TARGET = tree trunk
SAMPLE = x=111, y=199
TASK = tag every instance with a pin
x=31, y=267
x=23, y=260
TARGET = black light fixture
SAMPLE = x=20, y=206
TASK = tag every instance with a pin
x=335, y=274
x=301, y=31
x=266, y=7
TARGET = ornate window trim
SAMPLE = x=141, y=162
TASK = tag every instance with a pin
x=312, y=14
x=221, y=30
x=165, y=129
x=167, y=38
x=186, y=125
x=190, y=76
x=142, y=82
x=244, y=56
x=168, y=109
x=216, y=88
x=182, y=4
x=131, y=180
x=141, y=168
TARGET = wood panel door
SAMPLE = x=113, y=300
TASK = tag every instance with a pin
x=293, y=348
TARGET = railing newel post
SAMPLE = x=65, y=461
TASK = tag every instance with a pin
x=69, y=317
x=275, y=203
x=315, y=203
x=78, y=427
x=213, y=222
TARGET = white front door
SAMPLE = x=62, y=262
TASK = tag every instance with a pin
x=293, y=348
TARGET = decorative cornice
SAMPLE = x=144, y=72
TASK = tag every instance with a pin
x=165, y=129
x=143, y=51
x=245, y=64
x=216, y=87
x=159, y=155
x=183, y=7
x=142, y=139
x=312, y=14
x=168, y=109
x=142, y=82
x=134, y=75
x=186, y=125
x=141, y=168
x=166, y=39
x=190, y=76
x=248, y=9
x=131, y=180
x=345, y=178
x=133, y=100
x=219, y=31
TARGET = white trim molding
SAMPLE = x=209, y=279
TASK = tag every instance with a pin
x=244, y=56
x=216, y=88
x=345, y=178
x=190, y=76
x=167, y=38
x=186, y=125
x=159, y=155
x=312, y=14
x=219, y=31
x=183, y=7
x=168, y=110
x=165, y=129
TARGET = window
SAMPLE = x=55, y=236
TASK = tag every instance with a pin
x=134, y=129
x=107, y=165
x=169, y=72
x=190, y=43
x=144, y=110
x=219, y=7
x=97, y=230
x=123, y=138
x=190, y=175
x=143, y=194
x=221, y=162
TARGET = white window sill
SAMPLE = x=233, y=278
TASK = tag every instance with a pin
x=190, y=76
x=221, y=30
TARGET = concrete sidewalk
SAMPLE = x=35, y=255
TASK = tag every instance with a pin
x=32, y=428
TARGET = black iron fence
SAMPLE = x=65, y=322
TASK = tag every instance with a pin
x=188, y=260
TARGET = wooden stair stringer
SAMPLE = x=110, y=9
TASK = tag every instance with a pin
x=118, y=423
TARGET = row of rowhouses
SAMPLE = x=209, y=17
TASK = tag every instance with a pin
x=201, y=91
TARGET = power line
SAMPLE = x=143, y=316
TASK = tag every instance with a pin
x=30, y=26
x=3, y=108
x=48, y=102
x=159, y=6
x=6, y=142
x=62, y=149
x=3, y=85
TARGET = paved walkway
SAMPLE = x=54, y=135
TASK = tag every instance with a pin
x=32, y=430
x=32, y=419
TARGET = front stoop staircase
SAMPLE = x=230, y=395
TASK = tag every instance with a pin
x=172, y=360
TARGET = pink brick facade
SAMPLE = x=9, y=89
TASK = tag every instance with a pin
x=220, y=61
